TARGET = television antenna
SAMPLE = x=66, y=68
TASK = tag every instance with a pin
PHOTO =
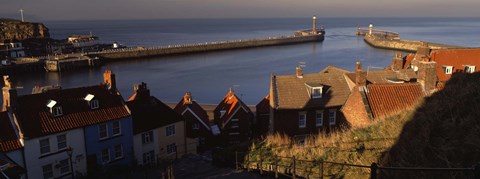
x=302, y=64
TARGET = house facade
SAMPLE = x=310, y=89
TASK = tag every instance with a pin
x=60, y=127
x=234, y=119
x=197, y=123
x=307, y=104
x=10, y=144
x=159, y=132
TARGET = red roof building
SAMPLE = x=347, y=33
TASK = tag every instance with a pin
x=9, y=139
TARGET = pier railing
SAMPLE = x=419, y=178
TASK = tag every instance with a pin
x=378, y=33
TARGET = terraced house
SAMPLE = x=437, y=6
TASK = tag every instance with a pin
x=71, y=132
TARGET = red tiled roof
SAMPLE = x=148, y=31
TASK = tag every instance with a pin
x=151, y=113
x=230, y=103
x=383, y=76
x=456, y=58
x=290, y=92
x=8, y=138
x=264, y=105
x=387, y=99
x=195, y=107
x=36, y=120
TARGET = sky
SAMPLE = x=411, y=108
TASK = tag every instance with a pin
x=170, y=9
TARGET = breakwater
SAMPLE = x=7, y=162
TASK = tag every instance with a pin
x=402, y=45
x=139, y=52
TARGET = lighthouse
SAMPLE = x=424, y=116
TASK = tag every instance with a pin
x=370, y=29
x=314, y=29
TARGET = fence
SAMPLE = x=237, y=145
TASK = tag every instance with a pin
x=293, y=169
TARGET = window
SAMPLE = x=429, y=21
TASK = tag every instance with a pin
x=64, y=166
x=47, y=171
x=469, y=69
x=222, y=112
x=170, y=130
x=195, y=125
x=105, y=156
x=302, y=119
x=234, y=123
x=102, y=131
x=94, y=104
x=44, y=146
x=57, y=111
x=317, y=92
x=62, y=141
x=147, y=137
x=332, y=116
x=116, y=128
x=319, y=118
x=171, y=148
x=118, y=151
x=149, y=157
x=448, y=69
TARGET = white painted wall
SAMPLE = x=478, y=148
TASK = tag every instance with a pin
x=75, y=139
x=139, y=149
x=16, y=156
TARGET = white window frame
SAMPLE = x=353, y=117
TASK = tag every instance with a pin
x=332, y=119
x=103, y=156
x=314, y=95
x=46, y=146
x=170, y=130
x=57, y=111
x=147, y=137
x=195, y=125
x=59, y=142
x=94, y=104
x=119, y=128
x=448, y=70
x=149, y=157
x=469, y=69
x=300, y=114
x=171, y=148
x=64, y=166
x=118, y=152
x=319, y=120
x=50, y=172
x=100, y=131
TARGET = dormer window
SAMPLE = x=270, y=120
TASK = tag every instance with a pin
x=93, y=103
x=315, y=90
x=469, y=69
x=447, y=69
x=55, y=109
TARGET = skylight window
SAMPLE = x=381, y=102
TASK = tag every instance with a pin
x=54, y=109
x=448, y=69
x=469, y=69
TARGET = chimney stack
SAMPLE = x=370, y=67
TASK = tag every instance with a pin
x=142, y=92
x=109, y=79
x=397, y=62
x=187, y=99
x=423, y=50
x=360, y=80
x=9, y=94
x=299, y=72
x=427, y=74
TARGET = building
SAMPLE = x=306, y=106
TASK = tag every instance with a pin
x=234, y=119
x=159, y=132
x=11, y=147
x=9, y=168
x=12, y=49
x=65, y=129
x=196, y=120
x=304, y=104
x=378, y=94
x=262, y=119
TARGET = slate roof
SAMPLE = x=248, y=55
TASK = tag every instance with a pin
x=36, y=120
x=195, y=108
x=151, y=113
x=387, y=99
x=290, y=92
x=264, y=105
x=456, y=58
x=230, y=104
x=8, y=138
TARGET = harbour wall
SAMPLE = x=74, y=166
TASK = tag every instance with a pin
x=140, y=52
x=402, y=45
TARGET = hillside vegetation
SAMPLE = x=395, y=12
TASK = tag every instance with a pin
x=441, y=131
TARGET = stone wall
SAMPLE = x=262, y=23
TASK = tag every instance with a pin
x=402, y=45
x=18, y=30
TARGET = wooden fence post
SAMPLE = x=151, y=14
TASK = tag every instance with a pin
x=276, y=166
x=294, y=167
x=320, y=171
x=373, y=170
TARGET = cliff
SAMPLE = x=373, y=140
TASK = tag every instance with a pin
x=18, y=30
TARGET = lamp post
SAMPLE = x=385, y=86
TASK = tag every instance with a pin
x=70, y=152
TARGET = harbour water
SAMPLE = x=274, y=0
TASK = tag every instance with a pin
x=209, y=75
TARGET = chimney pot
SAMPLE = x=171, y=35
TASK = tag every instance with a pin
x=299, y=72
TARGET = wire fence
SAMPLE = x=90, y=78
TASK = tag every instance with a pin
x=293, y=167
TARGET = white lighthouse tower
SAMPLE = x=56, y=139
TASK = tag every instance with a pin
x=314, y=29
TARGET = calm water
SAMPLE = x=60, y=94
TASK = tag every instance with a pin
x=209, y=75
